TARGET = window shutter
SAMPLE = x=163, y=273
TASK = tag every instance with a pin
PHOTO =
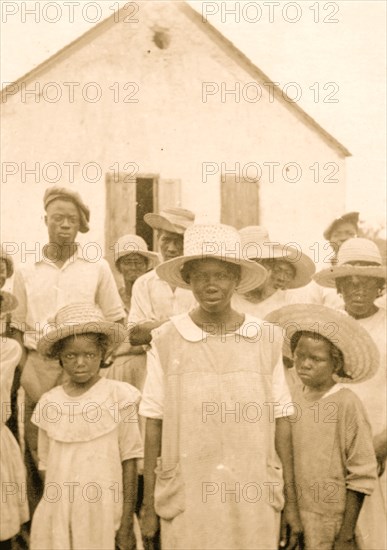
x=120, y=210
x=239, y=201
x=168, y=193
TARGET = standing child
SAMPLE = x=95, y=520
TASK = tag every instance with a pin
x=14, y=507
x=334, y=460
x=88, y=440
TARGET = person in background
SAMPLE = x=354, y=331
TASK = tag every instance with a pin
x=62, y=274
x=89, y=453
x=154, y=301
x=359, y=277
x=338, y=231
x=287, y=267
x=132, y=259
x=208, y=358
x=334, y=462
x=14, y=507
x=6, y=271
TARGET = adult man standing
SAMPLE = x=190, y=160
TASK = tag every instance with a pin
x=154, y=301
x=61, y=275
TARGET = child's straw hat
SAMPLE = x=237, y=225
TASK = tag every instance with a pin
x=353, y=251
x=361, y=356
x=221, y=242
x=134, y=244
x=79, y=318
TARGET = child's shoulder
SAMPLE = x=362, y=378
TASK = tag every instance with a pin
x=121, y=392
x=349, y=403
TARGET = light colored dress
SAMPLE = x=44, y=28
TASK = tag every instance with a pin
x=372, y=523
x=83, y=441
x=333, y=452
x=219, y=481
x=14, y=506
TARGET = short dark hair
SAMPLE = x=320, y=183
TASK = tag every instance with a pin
x=335, y=353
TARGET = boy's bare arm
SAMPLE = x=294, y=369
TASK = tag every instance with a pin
x=283, y=445
x=149, y=519
x=345, y=540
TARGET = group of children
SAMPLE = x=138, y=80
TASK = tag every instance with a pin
x=231, y=436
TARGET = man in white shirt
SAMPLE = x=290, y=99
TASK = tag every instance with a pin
x=154, y=301
x=62, y=275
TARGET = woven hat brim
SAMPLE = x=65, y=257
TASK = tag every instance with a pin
x=252, y=274
x=152, y=256
x=8, y=302
x=361, y=355
x=114, y=331
x=327, y=277
x=160, y=222
x=304, y=266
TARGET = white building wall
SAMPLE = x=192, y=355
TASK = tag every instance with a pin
x=169, y=131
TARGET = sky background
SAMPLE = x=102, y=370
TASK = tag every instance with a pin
x=351, y=53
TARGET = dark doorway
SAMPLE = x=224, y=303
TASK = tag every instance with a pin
x=144, y=204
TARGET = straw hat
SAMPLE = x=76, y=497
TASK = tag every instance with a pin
x=256, y=244
x=133, y=244
x=174, y=220
x=352, y=251
x=8, y=260
x=221, y=242
x=361, y=356
x=79, y=318
x=8, y=302
x=351, y=217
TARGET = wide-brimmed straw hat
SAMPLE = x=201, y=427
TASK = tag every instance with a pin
x=8, y=302
x=257, y=244
x=221, y=242
x=133, y=244
x=361, y=355
x=8, y=260
x=350, y=217
x=63, y=193
x=174, y=220
x=79, y=318
x=352, y=251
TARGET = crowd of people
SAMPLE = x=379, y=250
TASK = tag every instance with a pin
x=227, y=396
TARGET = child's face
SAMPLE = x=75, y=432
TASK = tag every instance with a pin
x=314, y=364
x=81, y=359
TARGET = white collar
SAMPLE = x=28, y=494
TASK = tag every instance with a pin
x=191, y=332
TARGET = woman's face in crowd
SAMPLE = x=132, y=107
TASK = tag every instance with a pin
x=132, y=266
x=341, y=233
x=281, y=275
x=213, y=283
x=359, y=294
x=313, y=362
x=81, y=358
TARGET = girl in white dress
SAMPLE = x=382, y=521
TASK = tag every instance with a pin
x=89, y=441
